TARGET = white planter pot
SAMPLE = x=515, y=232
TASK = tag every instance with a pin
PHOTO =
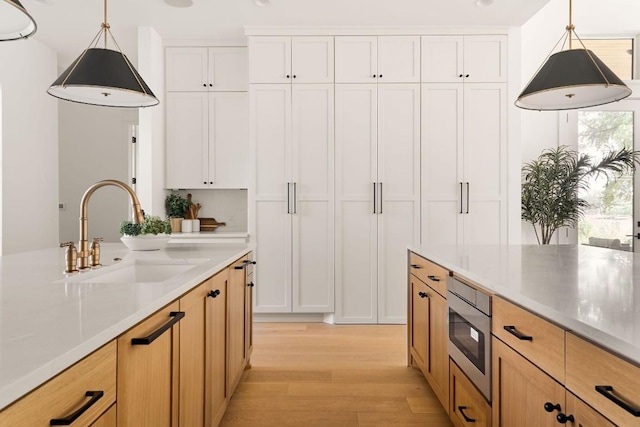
x=146, y=242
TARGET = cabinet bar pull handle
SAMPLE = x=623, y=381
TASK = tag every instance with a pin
x=374, y=196
x=467, y=419
x=295, y=197
x=461, y=197
x=607, y=391
x=214, y=294
x=176, y=316
x=67, y=421
x=416, y=266
x=288, y=197
x=434, y=278
x=245, y=264
x=380, y=194
x=513, y=331
x=467, y=197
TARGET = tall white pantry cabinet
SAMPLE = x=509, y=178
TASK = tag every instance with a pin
x=362, y=146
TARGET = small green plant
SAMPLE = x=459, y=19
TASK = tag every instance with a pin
x=550, y=186
x=151, y=225
x=176, y=205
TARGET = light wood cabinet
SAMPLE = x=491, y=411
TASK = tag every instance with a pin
x=108, y=419
x=206, y=69
x=83, y=392
x=148, y=371
x=236, y=300
x=377, y=59
x=464, y=147
x=418, y=324
x=377, y=198
x=536, y=339
x=203, y=347
x=467, y=406
x=583, y=414
x=207, y=140
x=469, y=59
x=524, y=396
x=291, y=59
x=292, y=135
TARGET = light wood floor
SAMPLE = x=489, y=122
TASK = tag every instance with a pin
x=332, y=376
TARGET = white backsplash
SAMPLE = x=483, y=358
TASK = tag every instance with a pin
x=228, y=206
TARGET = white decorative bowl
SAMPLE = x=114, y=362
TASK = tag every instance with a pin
x=146, y=242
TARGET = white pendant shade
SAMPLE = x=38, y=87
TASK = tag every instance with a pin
x=15, y=21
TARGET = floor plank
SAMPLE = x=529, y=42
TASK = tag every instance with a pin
x=332, y=376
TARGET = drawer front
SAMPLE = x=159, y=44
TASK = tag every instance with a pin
x=467, y=405
x=430, y=273
x=589, y=366
x=67, y=393
x=584, y=415
x=533, y=337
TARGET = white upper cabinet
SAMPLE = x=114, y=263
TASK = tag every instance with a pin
x=378, y=59
x=469, y=59
x=291, y=59
x=206, y=69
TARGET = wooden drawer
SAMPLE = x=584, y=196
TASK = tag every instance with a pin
x=589, y=366
x=540, y=341
x=430, y=273
x=67, y=393
x=467, y=406
x=583, y=414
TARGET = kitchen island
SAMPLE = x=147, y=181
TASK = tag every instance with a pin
x=50, y=320
x=565, y=333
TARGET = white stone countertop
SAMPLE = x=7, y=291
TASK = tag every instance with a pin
x=49, y=322
x=594, y=292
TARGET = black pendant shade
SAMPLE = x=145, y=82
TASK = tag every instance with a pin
x=15, y=21
x=570, y=79
x=103, y=77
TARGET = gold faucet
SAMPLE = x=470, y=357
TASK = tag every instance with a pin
x=83, y=245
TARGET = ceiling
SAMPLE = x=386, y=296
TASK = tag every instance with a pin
x=68, y=26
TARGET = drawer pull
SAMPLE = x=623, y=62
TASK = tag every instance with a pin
x=434, y=278
x=607, y=391
x=550, y=407
x=416, y=266
x=422, y=294
x=214, y=294
x=467, y=419
x=513, y=331
x=175, y=318
x=563, y=419
x=67, y=421
x=245, y=263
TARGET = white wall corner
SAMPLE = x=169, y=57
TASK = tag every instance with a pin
x=151, y=138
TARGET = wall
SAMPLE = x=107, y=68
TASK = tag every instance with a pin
x=539, y=129
x=29, y=147
x=94, y=145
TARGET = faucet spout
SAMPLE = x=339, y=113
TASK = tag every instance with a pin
x=83, y=244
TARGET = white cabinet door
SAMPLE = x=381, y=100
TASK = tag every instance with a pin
x=228, y=140
x=187, y=145
x=270, y=59
x=186, y=69
x=312, y=59
x=441, y=159
x=484, y=163
x=398, y=192
x=356, y=221
x=228, y=69
x=313, y=198
x=442, y=59
x=470, y=59
x=399, y=59
x=356, y=59
x=270, y=119
x=485, y=59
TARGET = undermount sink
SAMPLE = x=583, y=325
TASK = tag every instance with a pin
x=136, y=271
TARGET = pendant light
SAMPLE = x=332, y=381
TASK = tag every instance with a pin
x=102, y=76
x=15, y=21
x=570, y=79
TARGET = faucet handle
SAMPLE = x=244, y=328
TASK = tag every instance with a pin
x=94, y=252
x=70, y=257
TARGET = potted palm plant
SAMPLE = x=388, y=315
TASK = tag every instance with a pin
x=176, y=206
x=550, y=186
